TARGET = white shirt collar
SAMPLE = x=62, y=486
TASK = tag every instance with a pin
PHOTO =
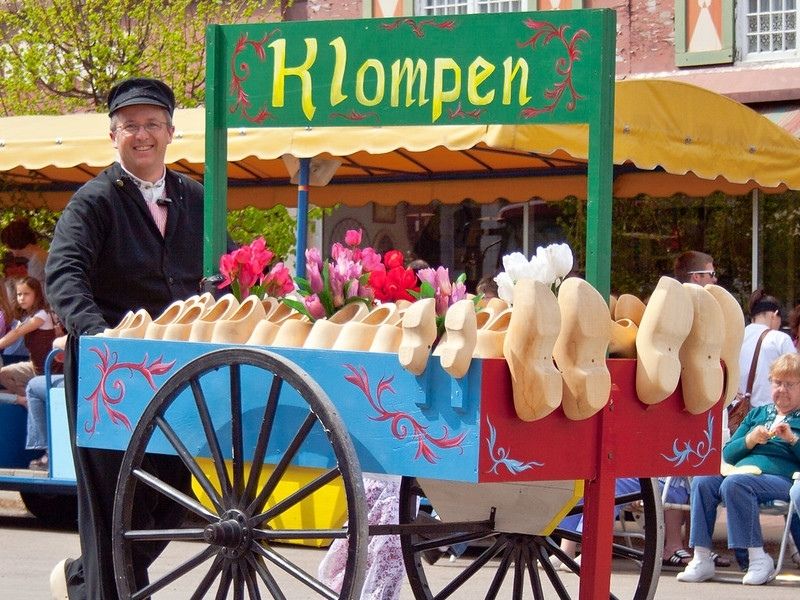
x=150, y=191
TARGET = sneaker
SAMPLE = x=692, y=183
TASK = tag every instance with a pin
x=698, y=569
x=760, y=571
x=58, y=580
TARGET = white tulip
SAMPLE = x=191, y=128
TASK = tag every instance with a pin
x=560, y=259
x=505, y=285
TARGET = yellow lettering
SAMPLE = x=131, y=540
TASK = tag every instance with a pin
x=380, y=82
x=440, y=95
x=479, y=71
x=340, y=62
x=509, y=74
x=281, y=71
x=412, y=73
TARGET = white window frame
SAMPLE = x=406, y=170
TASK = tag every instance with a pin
x=423, y=8
x=742, y=38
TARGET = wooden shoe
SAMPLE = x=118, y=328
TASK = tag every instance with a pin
x=733, y=317
x=459, y=339
x=203, y=300
x=623, y=339
x=528, y=348
x=181, y=328
x=580, y=350
x=137, y=326
x=665, y=324
x=280, y=312
x=629, y=307
x=156, y=328
x=419, y=334
x=238, y=328
x=702, y=378
x=496, y=305
x=123, y=324
x=490, y=337
x=358, y=335
x=203, y=328
x=292, y=333
x=264, y=333
x=324, y=333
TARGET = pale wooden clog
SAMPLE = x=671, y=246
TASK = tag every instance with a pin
x=630, y=307
x=733, y=318
x=324, y=332
x=137, y=325
x=181, y=328
x=292, y=333
x=124, y=322
x=238, y=328
x=581, y=347
x=665, y=324
x=156, y=328
x=264, y=333
x=623, y=339
x=490, y=337
x=458, y=342
x=359, y=335
x=528, y=349
x=419, y=334
x=203, y=328
x=702, y=377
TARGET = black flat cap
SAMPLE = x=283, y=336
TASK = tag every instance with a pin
x=141, y=90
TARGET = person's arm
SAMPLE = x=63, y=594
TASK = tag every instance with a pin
x=737, y=448
x=77, y=242
x=21, y=330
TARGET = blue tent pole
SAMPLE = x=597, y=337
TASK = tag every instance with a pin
x=302, y=216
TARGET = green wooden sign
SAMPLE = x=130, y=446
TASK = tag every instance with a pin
x=506, y=68
x=494, y=68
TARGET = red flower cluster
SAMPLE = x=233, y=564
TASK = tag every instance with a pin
x=391, y=281
x=245, y=270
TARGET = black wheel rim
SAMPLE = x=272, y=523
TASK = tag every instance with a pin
x=238, y=552
x=519, y=564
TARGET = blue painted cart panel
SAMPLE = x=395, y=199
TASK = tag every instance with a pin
x=423, y=426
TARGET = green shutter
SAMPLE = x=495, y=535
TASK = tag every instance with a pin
x=685, y=58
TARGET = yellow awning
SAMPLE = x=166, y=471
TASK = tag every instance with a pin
x=670, y=137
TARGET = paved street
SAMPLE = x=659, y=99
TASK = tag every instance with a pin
x=27, y=553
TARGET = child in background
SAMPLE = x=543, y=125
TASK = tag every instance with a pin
x=37, y=329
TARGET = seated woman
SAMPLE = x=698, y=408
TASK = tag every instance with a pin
x=765, y=443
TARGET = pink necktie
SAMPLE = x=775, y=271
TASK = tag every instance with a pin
x=159, y=213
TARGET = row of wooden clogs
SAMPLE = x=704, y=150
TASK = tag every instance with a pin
x=555, y=347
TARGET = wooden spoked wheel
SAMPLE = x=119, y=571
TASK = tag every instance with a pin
x=517, y=565
x=251, y=413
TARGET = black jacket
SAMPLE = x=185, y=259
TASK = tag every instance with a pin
x=108, y=257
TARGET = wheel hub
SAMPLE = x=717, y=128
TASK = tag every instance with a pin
x=232, y=532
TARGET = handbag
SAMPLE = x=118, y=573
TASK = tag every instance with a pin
x=740, y=406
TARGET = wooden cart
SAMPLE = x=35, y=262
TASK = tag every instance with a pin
x=493, y=480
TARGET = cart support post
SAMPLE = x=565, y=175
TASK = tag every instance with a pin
x=598, y=518
x=302, y=215
x=215, y=182
x=600, y=173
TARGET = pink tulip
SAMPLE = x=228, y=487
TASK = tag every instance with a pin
x=353, y=237
x=314, y=306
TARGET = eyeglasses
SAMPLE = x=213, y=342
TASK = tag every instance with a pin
x=787, y=385
x=151, y=127
x=709, y=273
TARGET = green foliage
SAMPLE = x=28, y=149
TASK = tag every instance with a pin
x=276, y=225
x=649, y=233
x=64, y=56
